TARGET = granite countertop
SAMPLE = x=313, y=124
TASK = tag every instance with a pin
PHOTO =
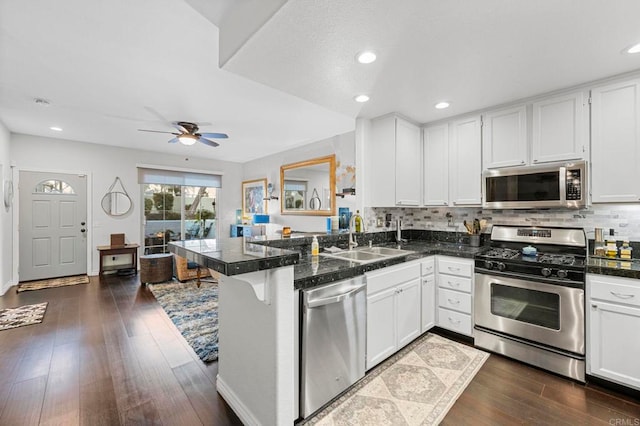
x=615, y=267
x=311, y=272
x=233, y=256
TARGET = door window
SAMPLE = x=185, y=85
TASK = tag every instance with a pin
x=526, y=305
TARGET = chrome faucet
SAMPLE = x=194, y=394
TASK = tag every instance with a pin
x=399, y=238
x=352, y=223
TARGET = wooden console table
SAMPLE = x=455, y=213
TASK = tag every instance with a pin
x=130, y=249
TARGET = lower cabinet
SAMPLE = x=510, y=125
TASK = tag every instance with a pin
x=428, y=294
x=455, y=294
x=393, y=310
x=613, y=320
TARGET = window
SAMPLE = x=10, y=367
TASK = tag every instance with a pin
x=173, y=212
x=54, y=186
x=295, y=192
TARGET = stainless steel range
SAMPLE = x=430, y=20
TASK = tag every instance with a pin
x=529, y=297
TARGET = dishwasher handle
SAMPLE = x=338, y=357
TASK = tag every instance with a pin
x=335, y=298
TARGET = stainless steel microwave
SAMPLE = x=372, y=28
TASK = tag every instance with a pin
x=554, y=185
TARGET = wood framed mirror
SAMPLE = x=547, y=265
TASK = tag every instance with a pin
x=308, y=187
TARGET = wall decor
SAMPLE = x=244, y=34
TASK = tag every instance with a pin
x=308, y=187
x=254, y=193
x=116, y=202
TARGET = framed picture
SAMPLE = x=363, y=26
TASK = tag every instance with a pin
x=254, y=193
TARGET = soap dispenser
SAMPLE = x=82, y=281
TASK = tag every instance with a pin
x=315, y=247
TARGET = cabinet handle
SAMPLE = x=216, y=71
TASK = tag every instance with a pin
x=453, y=302
x=453, y=284
x=594, y=306
x=452, y=321
x=622, y=296
x=451, y=268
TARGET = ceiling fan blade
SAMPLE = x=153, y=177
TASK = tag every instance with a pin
x=174, y=140
x=202, y=123
x=157, y=131
x=158, y=116
x=215, y=135
x=208, y=142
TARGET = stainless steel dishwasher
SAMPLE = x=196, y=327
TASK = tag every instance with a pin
x=333, y=343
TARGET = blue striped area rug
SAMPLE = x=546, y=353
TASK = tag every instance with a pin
x=194, y=311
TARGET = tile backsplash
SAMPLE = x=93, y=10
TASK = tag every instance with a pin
x=623, y=218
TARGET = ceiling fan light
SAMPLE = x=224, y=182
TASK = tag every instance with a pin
x=366, y=57
x=633, y=49
x=187, y=139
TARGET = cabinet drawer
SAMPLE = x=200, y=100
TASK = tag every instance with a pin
x=615, y=289
x=455, y=267
x=391, y=277
x=455, y=321
x=457, y=301
x=428, y=266
x=455, y=283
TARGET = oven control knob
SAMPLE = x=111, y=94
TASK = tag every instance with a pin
x=562, y=273
x=501, y=266
x=488, y=264
x=546, y=272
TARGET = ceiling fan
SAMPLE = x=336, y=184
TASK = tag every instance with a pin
x=189, y=134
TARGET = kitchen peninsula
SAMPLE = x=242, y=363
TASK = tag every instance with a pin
x=257, y=333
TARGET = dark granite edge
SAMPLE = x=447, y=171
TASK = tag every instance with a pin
x=240, y=267
x=614, y=267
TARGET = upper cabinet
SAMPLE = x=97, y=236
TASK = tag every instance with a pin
x=554, y=129
x=465, y=150
x=504, y=138
x=615, y=142
x=435, y=164
x=559, y=128
x=393, y=163
x=408, y=163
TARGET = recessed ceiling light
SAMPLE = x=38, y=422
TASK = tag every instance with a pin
x=56, y=128
x=633, y=49
x=366, y=57
x=442, y=105
x=361, y=98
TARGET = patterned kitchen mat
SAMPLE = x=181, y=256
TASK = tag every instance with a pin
x=416, y=386
x=22, y=315
x=53, y=282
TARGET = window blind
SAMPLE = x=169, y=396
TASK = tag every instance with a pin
x=175, y=177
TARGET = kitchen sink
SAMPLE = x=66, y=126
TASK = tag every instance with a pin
x=368, y=254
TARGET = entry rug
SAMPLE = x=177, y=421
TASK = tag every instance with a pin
x=53, y=282
x=417, y=386
x=22, y=315
x=194, y=311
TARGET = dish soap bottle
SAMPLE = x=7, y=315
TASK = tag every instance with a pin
x=358, y=221
x=315, y=247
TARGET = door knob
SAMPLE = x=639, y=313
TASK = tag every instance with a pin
x=82, y=223
x=83, y=230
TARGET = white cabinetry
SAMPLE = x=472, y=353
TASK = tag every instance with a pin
x=393, y=163
x=393, y=310
x=558, y=132
x=504, y=137
x=613, y=319
x=615, y=142
x=428, y=294
x=435, y=164
x=559, y=128
x=465, y=151
x=455, y=294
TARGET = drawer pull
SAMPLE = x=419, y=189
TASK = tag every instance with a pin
x=622, y=296
x=452, y=321
x=453, y=302
x=451, y=268
x=453, y=284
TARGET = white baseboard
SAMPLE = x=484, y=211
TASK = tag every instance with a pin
x=235, y=403
x=5, y=287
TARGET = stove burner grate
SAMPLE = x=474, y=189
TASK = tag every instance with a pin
x=503, y=253
x=557, y=259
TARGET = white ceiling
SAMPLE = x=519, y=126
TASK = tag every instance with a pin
x=105, y=66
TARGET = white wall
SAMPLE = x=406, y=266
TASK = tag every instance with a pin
x=102, y=164
x=6, y=214
x=341, y=145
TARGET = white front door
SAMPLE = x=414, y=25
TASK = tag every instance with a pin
x=52, y=225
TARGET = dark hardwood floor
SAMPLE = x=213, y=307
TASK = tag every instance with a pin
x=106, y=354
